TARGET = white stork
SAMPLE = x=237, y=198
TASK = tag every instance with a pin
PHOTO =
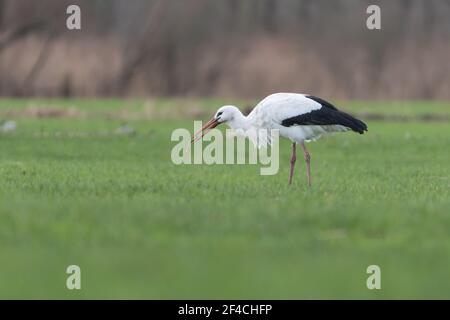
x=298, y=117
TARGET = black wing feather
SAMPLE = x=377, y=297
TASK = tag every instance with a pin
x=327, y=115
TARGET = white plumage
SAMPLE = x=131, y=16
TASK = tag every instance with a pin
x=298, y=117
x=272, y=110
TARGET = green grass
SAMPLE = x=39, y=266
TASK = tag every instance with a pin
x=72, y=191
x=172, y=108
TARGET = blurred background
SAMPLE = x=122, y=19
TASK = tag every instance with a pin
x=227, y=48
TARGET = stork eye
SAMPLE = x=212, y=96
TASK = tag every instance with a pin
x=219, y=114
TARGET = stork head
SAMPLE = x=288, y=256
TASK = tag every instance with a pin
x=223, y=115
x=226, y=113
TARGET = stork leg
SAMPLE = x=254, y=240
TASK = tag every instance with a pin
x=293, y=159
x=308, y=162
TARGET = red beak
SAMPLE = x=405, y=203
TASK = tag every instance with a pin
x=211, y=124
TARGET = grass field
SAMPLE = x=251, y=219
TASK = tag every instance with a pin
x=74, y=190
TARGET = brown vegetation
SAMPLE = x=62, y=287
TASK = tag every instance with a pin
x=226, y=48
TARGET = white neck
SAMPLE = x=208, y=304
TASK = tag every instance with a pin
x=239, y=121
